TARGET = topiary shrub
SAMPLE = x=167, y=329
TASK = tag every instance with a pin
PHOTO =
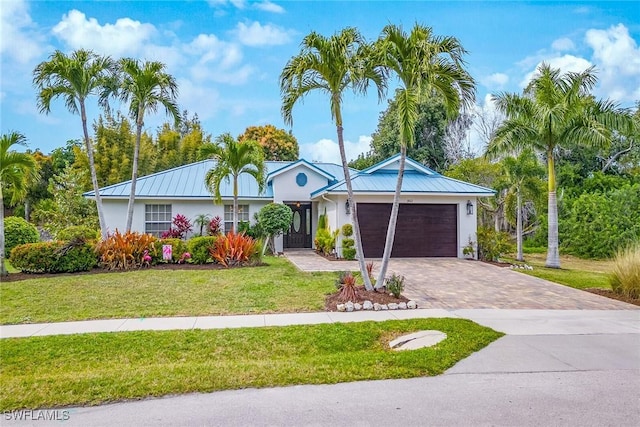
x=348, y=250
x=178, y=247
x=199, y=248
x=347, y=230
x=78, y=231
x=625, y=279
x=17, y=231
x=54, y=257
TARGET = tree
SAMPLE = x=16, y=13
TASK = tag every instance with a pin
x=424, y=64
x=145, y=87
x=15, y=170
x=277, y=144
x=274, y=219
x=332, y=65
x=232, y=159
x=75, y=78
x=555, y=109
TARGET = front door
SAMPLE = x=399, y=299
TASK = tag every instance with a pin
x=299, y=235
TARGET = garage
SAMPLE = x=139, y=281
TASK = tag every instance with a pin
x=423, y=230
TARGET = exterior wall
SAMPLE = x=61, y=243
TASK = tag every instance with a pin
x=467, y=224
x=285, y=188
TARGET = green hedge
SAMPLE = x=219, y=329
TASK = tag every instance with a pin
x=178, y=248
x=54, y=257
x=17, y=231
x=198, y=247
x=78, y=231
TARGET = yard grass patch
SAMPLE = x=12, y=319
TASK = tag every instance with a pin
x=277, y=287
x=90, y=369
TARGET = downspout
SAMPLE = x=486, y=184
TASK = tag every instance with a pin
x=337, y=222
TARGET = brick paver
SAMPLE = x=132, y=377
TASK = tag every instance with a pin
x=452, y=283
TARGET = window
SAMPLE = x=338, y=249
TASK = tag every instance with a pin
x=157, y=219
x=243, y=215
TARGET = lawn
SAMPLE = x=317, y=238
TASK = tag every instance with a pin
x=575, y=272
x=90, y=369
x=278, y=287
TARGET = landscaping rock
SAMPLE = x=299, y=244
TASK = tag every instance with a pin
x=340, y=307
x=402, y=306
x=377, y=307
x=357, y=306
x=349, y=306
x=367, y=305
x=393, y=306
x=412, y=304
x=417, y=340
x=384, y=307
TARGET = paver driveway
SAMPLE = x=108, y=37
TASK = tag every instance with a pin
x=452, y=283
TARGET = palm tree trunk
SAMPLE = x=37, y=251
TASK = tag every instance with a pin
x=235, y=203
x=520, y=256
x=354, y=210
x=3, y=270
x=134, y=173
x=92, y=168
x=553, y=254
x=393, y=219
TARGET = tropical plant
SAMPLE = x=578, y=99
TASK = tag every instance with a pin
x=332, y=65
x=75, y=78
x=232, y=159
x=555, y=109
x=274, y=219
x=625, y=279
x=201, y=221
x=277, y=144
x=395, y=284
x=145, y=86
x=214, y=227
x=492, y=244
x=179, y=229
x=234, y=249
x=15, y=169
x=124, y=251
x=325, y=239
x=348, y=291
x=424, y=64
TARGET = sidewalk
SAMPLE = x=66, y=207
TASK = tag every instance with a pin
x=512, y=322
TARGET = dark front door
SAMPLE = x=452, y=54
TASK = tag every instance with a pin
x=423, y=230
x=299, y=235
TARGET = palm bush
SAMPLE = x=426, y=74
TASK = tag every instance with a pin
x=625, y=279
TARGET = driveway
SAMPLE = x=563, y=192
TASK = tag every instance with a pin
x=452, y=283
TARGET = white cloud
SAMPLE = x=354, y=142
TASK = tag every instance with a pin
x=495, y=80
x=125, y=37
x=326, y=150
x=267, y=6
x=218, y=61
x=256, y=34
x=566, y=63
x=563, y=44
x=240, y=4
x=486, y=119
x=19, y=39
x=198, y=98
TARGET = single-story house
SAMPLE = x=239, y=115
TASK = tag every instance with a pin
x=437, y=216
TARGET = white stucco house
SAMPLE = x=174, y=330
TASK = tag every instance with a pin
x=437, y=215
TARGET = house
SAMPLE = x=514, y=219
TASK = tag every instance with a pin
x=437, y=215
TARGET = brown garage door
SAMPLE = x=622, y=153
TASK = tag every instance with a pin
x=422, y=230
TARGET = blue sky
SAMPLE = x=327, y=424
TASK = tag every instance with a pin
x=227, y=55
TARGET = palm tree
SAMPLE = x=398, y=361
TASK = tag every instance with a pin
x=75, y=78
x=145, y=87
x=15, y=171
x=202, y=220
x=555, y=109
x=233, y=158
x=523, y=174
x=424, y=64
x=332, y=65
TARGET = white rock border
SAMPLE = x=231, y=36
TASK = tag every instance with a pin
x=368, y=306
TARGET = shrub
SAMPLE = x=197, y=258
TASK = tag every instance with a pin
x=492, y=244
x=124, y=251
x=199, y=248
x=215, y=226
x=625, y=279
x=274, y=219
x=54, y=257
x=178, y=247
x=181, y=226
x=17, y=231
x=347, y=230
x=78, y=231
x=395, y=284
x=348, y=251
x=348, y=291
x=234, y=249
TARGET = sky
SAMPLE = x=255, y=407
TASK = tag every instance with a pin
x=227, y=56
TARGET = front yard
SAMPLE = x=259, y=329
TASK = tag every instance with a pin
x=276, y=288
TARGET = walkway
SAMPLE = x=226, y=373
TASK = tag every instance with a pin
x=451, y=283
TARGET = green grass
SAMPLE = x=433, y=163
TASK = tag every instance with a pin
x=91, y=369
x=278, y=287
x=575, y=272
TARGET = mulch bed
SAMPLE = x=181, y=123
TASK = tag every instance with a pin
x=610, y=294
x=333, y=299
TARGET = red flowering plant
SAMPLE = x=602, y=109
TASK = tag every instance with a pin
x=181, y=226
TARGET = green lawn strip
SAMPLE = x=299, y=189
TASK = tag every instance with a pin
x=277, y=287
x=90, y=369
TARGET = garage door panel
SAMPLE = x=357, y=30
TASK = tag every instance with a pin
x=423, y=230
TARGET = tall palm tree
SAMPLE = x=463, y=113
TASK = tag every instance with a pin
x=145, y=87
x=333, y=65
x=423, y=63
x=555, y=109
x=75, y=78
x=233, y=158
x=15, y=170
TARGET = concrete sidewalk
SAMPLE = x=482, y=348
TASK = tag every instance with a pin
x=512, y=322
